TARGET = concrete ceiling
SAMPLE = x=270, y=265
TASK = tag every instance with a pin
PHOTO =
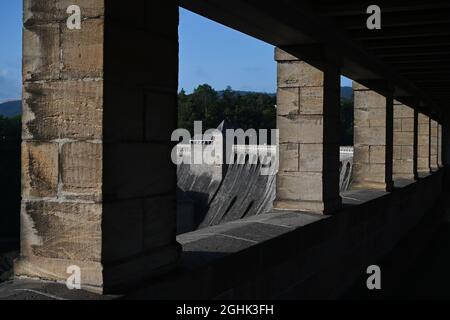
x=411, y=51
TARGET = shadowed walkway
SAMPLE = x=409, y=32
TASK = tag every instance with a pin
x=418, y=268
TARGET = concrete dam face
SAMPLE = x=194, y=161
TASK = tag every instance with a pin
x=214, y=194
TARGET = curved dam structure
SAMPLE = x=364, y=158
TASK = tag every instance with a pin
x=214, y=194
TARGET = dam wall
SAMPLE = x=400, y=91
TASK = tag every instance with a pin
x=214, y=194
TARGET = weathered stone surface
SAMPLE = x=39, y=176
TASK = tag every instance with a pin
x=423, y=148
x=377, y=154
x=369, y=100
x=57, y=230
x=370, y=136
x=299, y=74
x=41, y=54
x=82, y=51
x=281, y=55
x=311, y=100
x=408, y=125
x=404, y=138
x=304, y=129
x=289, y=157
x=40, y=169
x=81, y=168
x=44, y=11
x=308, y=121
x=362, y=154
x=56, y=270
x=288, y=186
x=288, y=101
x=397, y=124
x=372, y=139
x=311, y=158
x=67, y=109
x=397, y=152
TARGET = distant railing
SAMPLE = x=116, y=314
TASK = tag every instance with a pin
x=185, y=150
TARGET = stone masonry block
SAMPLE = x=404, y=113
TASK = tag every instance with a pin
x=41, y=52
x=423, y=151
x=300, y=186
x=370, y=136
x=299, y=74
x=408, y=125
x=361, y=154
x=67, y=109
x=369, y=100
x=311, y=100
x=81, y=168
x=40, y=169
x=403, y=138
x=362, y=118
x=82, y=51
x=301, y=129
x=61, y=230
x=289, y=157
x=407, y=152
x=377, y=154
x=397, y=125
x=288, y=101
x=281, y=55
x=311, y=157
x=397, y=152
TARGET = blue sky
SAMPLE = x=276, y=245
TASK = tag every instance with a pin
x=209, y=53
x=10, y=49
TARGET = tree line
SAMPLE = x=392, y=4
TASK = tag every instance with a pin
x=247, y=110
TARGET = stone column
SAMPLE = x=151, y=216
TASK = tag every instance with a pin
x=403, y=161
x=308, y=120
x=423, y=148
x=434, y=166
x=439, y=147
x=99, y=106
x=373, y=135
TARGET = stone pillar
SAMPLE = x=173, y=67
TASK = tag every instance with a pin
x=99, y=106
x=308, y=120
x=434, y=166
x=439, y=147
x=373, y=138
x=423, y=148
x=403, y=146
